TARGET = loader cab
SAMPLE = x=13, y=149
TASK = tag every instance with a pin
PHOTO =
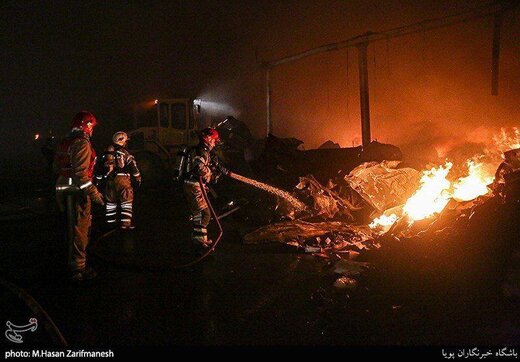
x=162, y=127
x=167, y=124
x=176, y=121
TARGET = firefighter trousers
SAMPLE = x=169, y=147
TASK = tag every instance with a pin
x=119, y=196
x=200, y=214
x=80, y=218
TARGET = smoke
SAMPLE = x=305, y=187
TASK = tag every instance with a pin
x=430, y=93
x=239, y=94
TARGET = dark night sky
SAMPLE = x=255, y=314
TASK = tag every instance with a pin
x=62, y=56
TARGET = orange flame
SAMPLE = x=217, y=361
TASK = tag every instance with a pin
x=474, y=185
x=383, y=222
x=432, y=196
x=436, y=190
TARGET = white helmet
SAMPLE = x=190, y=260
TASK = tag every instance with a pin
x=120, y=138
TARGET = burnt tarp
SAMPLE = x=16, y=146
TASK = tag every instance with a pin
x=382, y=185
x=372, y=186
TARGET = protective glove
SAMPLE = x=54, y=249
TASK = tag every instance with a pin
x=217, y=169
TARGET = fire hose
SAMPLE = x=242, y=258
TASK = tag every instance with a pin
x=201, y=257
x=297, y=204
x=38, y=311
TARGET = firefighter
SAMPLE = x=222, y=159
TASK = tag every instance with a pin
x=121, y=174
x=202, y=164
x=74, y=161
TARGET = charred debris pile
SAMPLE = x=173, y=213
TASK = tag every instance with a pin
x=364, y=203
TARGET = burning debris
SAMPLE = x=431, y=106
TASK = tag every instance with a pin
x=383, y=221
x=477, y=180
x=401, y=202
x=436, y=191
x=382, y=185
x=432, y=196
x=325, y=202
x=474, y=185
x=370, y=188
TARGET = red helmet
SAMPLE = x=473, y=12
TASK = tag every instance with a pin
x=210, y=133
x=83, y=120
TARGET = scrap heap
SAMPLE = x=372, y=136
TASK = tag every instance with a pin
x=380, y=201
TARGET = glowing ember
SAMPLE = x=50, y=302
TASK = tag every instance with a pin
x=474, y=185
x=383, y=221
x=432, y=196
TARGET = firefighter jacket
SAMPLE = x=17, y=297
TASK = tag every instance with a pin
x=119, y=162
x=75, y=160
x=204, y=164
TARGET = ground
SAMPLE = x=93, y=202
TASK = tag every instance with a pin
x=414, y=294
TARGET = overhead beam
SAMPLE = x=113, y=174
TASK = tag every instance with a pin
x=421, y=26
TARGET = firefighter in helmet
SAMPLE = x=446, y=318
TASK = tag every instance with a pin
x=121, y=174
x=203, y=165
x=74, y=161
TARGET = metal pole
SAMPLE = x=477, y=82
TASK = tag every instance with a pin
x=363, y=93
x=268, y=100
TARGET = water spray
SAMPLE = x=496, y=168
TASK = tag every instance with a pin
x=297, y=204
